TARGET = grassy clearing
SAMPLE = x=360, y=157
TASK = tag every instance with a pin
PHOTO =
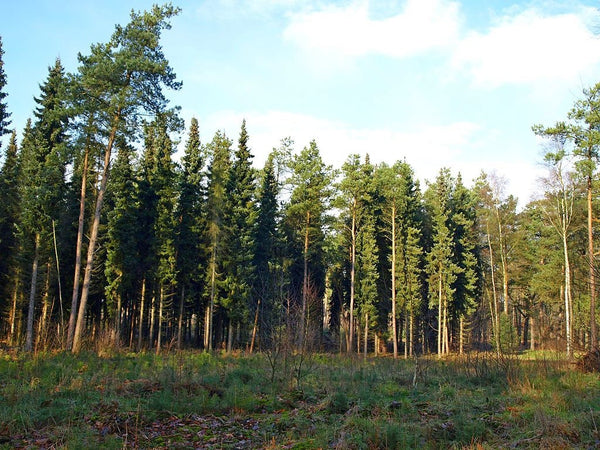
x=190, y=399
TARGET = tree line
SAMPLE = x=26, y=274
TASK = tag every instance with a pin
x=105, y=239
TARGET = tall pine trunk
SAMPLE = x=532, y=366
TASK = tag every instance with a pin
x=394, y=324
x=593, y=332
x=77, y=275
x=77, y=336
x=141, y=320
x=303, y=324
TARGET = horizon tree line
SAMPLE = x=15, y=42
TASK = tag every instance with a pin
x=209, y=252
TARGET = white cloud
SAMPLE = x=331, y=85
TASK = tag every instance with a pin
x=427, y=148
x=349, y=31
x=529, y=47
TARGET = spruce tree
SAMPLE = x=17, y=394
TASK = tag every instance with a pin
x=4, y=114
x=466, y=257
x=241, y=211
x=267, y=252
x=10, y=208
x=191, y=217
x=219, y=150
x=122, y=265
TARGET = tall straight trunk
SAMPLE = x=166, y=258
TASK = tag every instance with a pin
x=405, y=334
x=211, y=308
x=141, y=321
x=255, y=326
x=568, y=307
x=440, y=319
x=411, y=348
x=352, y=270
x=532, y=334
x=494, y=311
x=79, y=327
x=206, y=327
x=45, y=306
x=503, y=262
x=593, y=332
x=303, y=324
x=180, y=319
x=77, y=275
x=13, y=309
x=366, y=338
x=152, y=319
x=160, y=316
x=461, y=337
x=32, y=294
x=393, y=269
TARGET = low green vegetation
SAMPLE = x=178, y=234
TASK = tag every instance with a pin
x=191, y=399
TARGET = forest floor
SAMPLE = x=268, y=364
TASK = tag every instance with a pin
x=191, y=399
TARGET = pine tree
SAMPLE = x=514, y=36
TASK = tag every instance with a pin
x=122, y=79
x=441, y=269
x=401, y=205
x=305, y=221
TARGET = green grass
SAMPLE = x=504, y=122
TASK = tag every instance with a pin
x=188, y=399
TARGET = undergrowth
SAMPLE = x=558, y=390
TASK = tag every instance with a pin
x=191, y=399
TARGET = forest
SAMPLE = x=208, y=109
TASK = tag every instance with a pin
x=108, y=241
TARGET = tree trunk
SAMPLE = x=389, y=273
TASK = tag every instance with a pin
x=394, y=324
x=141, y=324
x=352, y=270
x=593, y=332
x=568, y=307
x=32, y=293
x=255, y=327
x=152, y=319
x=13, y=310
x=93, y=237
x=440, y=329
x=180, y=319
x=303, y=325
x=211, y=308
x=366, y=338
x=160, y=316
x=77, y=275
x=42, y=323
x=494, y=311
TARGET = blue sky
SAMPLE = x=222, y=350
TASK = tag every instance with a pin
x=439, y=83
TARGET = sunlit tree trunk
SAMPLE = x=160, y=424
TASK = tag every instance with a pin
x=80, y=325
x=393, y=269
x=160, y=317
x=180, y=318
x=32, y=294
x=141, y=319
x=77, y=275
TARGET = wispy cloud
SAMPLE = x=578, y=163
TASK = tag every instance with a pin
x=529, y=47
x=349, y=30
